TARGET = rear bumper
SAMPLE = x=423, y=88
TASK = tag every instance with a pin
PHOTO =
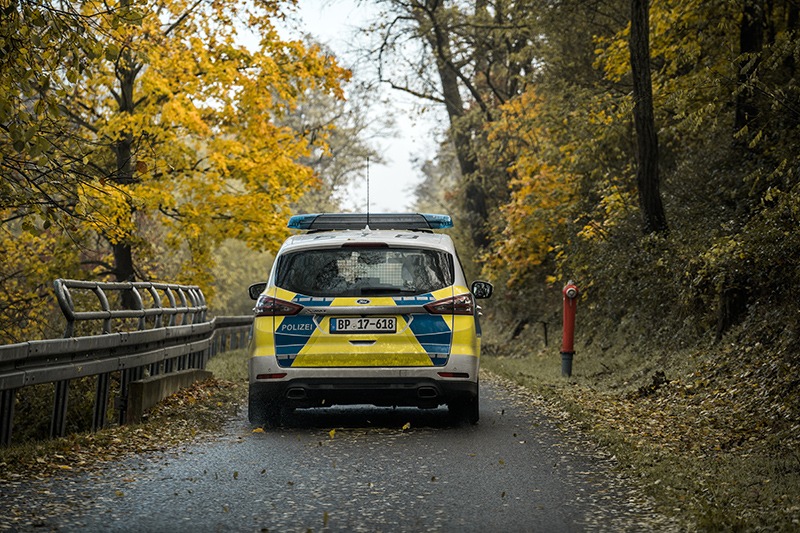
x=425, y=393
x=388, y=386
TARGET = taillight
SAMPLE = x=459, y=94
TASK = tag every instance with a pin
x=463, y=375
x=277, y=375
x=269, y=306
x=458, y=305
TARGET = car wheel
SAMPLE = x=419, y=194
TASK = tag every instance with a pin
x=262, y=410
x=466, y=410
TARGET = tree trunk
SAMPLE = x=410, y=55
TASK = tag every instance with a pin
x=647, y=174
x=474, y=195
x=123, y=253
x=751, y=41
x=127, y=71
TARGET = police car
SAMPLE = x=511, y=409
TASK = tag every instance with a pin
x=365, y=309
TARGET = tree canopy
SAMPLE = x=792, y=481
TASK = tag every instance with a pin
x=137, y=136
x=136, y=129
x=546, y=98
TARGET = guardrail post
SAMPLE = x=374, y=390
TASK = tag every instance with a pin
x=126, y=377
x=122, y=400
x=58, y=423
x=100, y=402
x=7, y=400
x=137, y=300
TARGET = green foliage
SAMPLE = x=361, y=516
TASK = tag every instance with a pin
x=237, y=267
x=230, y=366
x=34, y=406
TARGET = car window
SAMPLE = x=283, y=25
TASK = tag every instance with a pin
x=355, y=271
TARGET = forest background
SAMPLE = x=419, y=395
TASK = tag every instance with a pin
x=140, y=140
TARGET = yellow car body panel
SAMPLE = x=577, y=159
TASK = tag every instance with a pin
x=316, y=346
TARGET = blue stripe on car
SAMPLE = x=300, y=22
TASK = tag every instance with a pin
x=420, y=299
x=313, y=300
x=435, y=335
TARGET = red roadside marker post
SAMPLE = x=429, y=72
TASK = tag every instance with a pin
x=570, y=293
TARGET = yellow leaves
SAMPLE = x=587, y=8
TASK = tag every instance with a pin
x=258, y=430
x=615, y=204
x=540, y=191
x=209, y=160
x=105, y=208
x=332, y=433
x=33, y=254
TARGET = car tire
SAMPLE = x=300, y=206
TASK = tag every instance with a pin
x=467, y=410
x=262, y=411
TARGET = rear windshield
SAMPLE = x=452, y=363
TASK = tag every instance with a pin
x=364, y=271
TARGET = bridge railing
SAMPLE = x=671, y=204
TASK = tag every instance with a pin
x=183, y=302
x=173, y=338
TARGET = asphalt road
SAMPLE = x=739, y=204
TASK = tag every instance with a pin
x=364, y=469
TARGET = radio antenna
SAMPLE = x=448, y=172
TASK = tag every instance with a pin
x=367, y=190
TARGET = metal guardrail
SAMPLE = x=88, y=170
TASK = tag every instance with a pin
x=185, y=301
x=180, y=339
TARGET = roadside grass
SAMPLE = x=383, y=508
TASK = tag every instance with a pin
x=230, y=366
x=201, y=409
x=703, y=432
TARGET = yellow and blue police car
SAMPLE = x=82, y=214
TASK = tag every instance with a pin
x=365, y=309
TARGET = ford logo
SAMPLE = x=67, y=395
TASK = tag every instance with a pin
x=362, y=301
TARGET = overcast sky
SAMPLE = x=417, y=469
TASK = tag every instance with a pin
x=334, y=23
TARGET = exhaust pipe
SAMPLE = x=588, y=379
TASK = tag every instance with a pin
x=296, y=393
x=427, y=392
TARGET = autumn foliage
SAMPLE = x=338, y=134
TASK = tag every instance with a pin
x=725, y=96
x=138, y=135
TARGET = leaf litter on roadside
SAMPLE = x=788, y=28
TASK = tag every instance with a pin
x=180, y=418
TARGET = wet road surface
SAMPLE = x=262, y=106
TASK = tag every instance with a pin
x=361, y=469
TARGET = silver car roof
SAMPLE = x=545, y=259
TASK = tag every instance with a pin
x=394, y=238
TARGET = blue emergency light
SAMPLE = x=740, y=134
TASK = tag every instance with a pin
x=396, y=221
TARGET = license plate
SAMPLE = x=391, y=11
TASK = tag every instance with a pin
x=364, y=325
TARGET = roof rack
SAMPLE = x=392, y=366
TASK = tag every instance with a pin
x=404, y=221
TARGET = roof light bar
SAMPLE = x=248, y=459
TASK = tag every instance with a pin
x=397, y=221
